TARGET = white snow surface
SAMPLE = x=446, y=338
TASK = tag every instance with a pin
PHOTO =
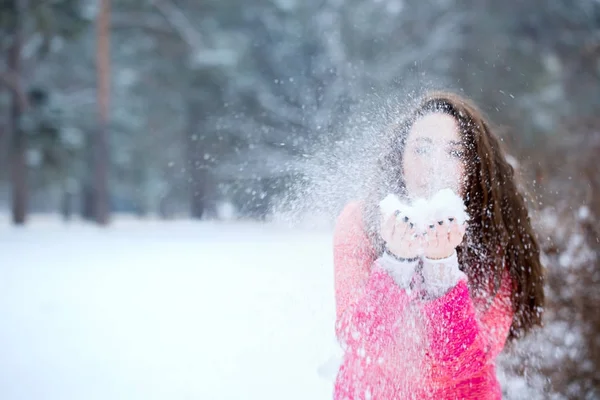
x=159, y=310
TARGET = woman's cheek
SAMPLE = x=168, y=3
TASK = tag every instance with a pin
x=407, y=170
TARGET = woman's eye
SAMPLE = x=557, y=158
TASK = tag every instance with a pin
x=421, y=150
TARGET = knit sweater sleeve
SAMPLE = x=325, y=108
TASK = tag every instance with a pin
x=369, y=298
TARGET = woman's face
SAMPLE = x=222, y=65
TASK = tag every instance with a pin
x=434, y=156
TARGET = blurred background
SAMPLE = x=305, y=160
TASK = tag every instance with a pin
x=119, y=118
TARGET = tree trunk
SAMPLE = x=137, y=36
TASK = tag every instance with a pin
x=66, y=205
x=100, y=144
x=87, y=202
x=197, y=184
x=18, y=165
x=18, y=140
x=196, y=174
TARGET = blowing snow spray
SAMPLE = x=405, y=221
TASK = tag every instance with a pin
x=423, y=212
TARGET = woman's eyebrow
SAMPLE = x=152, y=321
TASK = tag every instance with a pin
x=424, y=139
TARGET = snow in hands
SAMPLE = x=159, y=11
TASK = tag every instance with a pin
x=445, y=205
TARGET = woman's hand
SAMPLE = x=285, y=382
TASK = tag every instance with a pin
x=443, y=238
x=399, y=236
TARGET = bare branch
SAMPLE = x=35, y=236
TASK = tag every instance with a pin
x=202, y=56
x=180, y=23
x=141, y=20
x=9, y=80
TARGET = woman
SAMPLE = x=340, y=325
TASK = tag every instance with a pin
x=424, y=315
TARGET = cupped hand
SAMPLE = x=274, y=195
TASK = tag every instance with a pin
x=400, y=236
x=442, y=239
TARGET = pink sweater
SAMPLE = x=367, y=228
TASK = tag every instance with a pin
x=403, y=341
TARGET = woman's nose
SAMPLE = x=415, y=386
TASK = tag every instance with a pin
x=437, y=164
x=440, y=171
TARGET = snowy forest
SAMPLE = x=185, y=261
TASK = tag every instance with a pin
x=231, y=112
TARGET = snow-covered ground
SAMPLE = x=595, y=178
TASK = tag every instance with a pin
x=164, y=310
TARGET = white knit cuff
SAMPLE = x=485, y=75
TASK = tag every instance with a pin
x=441, y=275
x=401, y=271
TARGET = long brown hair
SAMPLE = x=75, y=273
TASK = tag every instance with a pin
x=500, y=236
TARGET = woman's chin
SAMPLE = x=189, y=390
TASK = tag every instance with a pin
x=420, y=192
